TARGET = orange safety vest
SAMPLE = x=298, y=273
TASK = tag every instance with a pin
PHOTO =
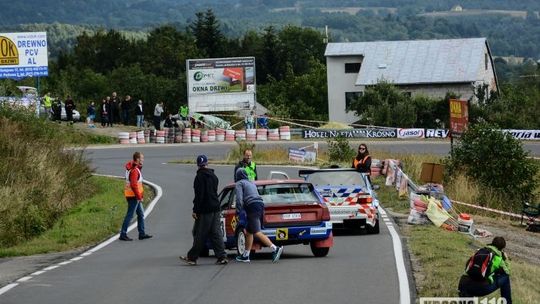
x=128, y=191
x=360, y=162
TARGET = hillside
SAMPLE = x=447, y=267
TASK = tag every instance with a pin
x=511, y=26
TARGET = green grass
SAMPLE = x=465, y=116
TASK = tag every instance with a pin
x=441, y=257
x=86, y=224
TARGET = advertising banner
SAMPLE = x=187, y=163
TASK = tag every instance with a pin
x=350, y=133
x=23, y=55
x=459, y=117
x=524, y=134
x=302, y=156
x=221, y=84
x=225, y=75
x=437, y=133
x=410, y=133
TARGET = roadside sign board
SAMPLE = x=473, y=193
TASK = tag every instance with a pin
x=459, y=117
x=23, y=55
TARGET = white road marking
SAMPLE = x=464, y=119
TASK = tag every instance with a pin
x=404, y=293
x=24, y=279
x=149, y=209
x=7, y=287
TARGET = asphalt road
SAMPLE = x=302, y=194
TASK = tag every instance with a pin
x=359, y=268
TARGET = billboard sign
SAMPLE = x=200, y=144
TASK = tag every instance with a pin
x=23, y=55
x=221, y=84
x=459, y=117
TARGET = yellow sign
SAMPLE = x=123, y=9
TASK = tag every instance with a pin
x=234, y=222
x=9, y=55
x=282, y=234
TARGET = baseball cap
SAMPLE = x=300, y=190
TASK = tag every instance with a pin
x=202, y=160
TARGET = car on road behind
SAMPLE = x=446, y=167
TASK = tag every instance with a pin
x=294, y=214
x=349, y=195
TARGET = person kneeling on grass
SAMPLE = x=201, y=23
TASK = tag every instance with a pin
x=487, y=271
x=249, y=200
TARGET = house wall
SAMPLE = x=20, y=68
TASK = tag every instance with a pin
x=338, y=83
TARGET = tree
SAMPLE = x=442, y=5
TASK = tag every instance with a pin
x=497, y=161
x=208, y=36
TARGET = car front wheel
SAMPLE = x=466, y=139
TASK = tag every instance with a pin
x=319, y=251
x=240, y=241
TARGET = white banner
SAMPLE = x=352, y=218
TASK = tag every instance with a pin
x=437, y=133
x=410, y=133
x=23, y=55
x=524, y=134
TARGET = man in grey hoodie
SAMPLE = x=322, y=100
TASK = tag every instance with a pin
x=249, y=200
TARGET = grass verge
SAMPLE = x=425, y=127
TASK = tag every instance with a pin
x=86, y=224
x=439, y=257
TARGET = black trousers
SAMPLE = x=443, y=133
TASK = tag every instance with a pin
x=207, y=226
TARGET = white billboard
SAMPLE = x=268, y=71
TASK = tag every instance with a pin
x=23, y=55
x=221, y=84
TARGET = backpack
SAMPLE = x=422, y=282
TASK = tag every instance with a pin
x=479, y=265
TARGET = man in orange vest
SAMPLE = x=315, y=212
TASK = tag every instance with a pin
x=362, y=161
x=133, y=191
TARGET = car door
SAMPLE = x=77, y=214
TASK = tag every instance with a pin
x=228, y=213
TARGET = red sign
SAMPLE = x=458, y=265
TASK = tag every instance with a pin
x=459, y=116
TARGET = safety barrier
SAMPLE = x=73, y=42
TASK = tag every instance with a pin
x=189, y=135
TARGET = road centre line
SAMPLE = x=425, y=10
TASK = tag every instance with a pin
x=404, y=292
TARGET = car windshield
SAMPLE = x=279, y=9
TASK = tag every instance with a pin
x=288, y=194
x=337, y=178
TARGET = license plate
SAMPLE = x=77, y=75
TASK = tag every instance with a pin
x=292, y=216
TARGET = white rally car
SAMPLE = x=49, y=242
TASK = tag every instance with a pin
x=349, y=196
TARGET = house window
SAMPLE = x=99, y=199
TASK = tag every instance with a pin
x=486, y=60
x=352, y=67
x=350, y=97
x=407, y=94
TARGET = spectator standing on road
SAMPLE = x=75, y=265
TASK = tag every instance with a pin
x=57, y=110
x=115, y=108
x=70, y=106
x=183, y=112
x=134, y=191
x=91, y=115
x=47, y=104
x=249, y=120
x=110, y=115
x=249, y=201
x=158, y=111
x=139, y=112
x=498, y=277
x=362, y=161
x=126, y=107
x=248, y=164
x=104, y=111
x=207, y=215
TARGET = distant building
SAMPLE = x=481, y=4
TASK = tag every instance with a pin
x=418, y=67
x=457, y=8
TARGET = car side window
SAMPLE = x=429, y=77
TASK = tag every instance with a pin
x=225, y=199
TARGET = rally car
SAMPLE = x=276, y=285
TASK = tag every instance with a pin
x=349, y=196
x=294, y=214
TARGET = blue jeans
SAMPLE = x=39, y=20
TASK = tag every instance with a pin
x=468, y=287
x=133, y=206
x=140, y=120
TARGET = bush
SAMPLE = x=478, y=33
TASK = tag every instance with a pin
x=497, y=161
x=40, y=179
x=339, y=150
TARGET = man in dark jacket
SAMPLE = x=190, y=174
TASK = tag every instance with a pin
x=206, y=213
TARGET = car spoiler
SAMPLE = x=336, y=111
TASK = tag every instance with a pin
x=305, y=172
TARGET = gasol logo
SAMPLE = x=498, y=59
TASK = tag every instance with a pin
x=9, y=55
